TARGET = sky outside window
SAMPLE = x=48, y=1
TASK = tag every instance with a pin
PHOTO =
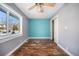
x=2, y=17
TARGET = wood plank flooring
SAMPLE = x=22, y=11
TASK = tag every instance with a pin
x=39, y=47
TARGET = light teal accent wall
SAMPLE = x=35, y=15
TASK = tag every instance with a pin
x=39, y=28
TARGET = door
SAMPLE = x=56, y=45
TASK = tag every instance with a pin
x=56, y=30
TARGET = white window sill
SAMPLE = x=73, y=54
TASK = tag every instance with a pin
x=5, y=38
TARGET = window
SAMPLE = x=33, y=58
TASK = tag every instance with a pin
x=3, y=22
x=10, y=21
x=14, y=24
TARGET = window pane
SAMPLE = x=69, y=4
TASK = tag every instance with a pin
x=3, y=22
x=14, y=24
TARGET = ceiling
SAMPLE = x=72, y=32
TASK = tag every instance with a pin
x=34, y=13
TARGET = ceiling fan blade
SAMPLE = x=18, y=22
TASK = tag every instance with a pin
x=32, y=7
x=50, y=4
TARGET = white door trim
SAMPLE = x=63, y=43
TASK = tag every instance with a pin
x=53, y=19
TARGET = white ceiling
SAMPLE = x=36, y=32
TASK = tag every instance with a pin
x=34, y=13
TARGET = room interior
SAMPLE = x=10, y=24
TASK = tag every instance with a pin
x=39, y=29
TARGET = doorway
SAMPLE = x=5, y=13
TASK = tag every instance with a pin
x=54, y=29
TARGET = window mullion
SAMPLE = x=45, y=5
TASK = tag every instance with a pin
x=7, y=22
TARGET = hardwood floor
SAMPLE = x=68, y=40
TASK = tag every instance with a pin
x=38, y=47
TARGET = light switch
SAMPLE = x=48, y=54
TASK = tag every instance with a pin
x=65, y=27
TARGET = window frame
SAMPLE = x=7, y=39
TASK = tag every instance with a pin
x=9, y=10
x=3, y=10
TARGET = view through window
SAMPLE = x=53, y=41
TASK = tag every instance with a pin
x=14, y=24
x=3, y=22
x=9, y=23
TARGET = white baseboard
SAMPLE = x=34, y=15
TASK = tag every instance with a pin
x=39, y=38
x=16, y=48
x=66, y=51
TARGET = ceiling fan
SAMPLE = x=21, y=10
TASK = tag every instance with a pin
x=40, y=6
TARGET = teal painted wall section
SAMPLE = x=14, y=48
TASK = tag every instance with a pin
x=39, y=28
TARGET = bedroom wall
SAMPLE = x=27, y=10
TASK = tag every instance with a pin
x=7, y=47
x=39, y=28
x=68, y=28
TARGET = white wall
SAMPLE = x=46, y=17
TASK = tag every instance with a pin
x=7, y=47
x=68, y=23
